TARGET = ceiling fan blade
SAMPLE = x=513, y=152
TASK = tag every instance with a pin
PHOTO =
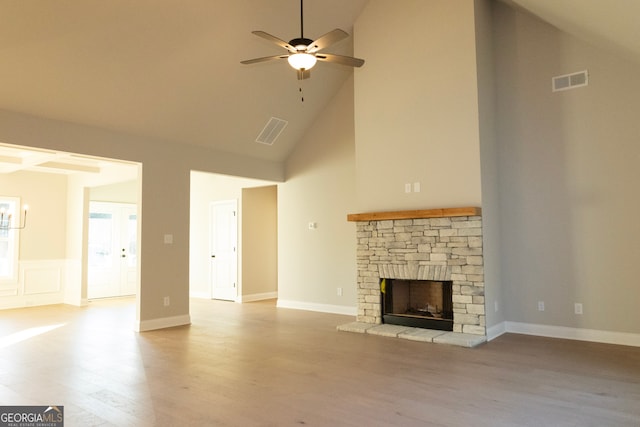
x=263, y=59
x=339, y=59
x=274, y=39
x=327, y=40
x=302, y=75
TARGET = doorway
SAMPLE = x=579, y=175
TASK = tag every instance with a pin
x=113, y=255
x=256, y=223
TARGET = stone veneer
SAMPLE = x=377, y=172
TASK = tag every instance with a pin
x=440, y=248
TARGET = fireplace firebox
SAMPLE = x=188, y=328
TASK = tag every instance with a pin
x=417, y=303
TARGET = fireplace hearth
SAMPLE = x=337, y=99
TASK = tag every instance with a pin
x=417, y=303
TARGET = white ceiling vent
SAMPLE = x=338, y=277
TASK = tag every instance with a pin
x=271, y=131
x=570, y=81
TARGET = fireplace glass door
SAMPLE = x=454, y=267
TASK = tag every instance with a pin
x=417, y=303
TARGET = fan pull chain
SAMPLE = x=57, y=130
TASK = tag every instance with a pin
x=301, y=94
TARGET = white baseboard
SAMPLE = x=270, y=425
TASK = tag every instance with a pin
x=496, y=330
x=164, y=322
x=323, y=308
x=592, y=335
x=257, y=297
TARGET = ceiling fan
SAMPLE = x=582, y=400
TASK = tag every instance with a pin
x=303, y=52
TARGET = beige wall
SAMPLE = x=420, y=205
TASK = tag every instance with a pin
x=259, y=242
x=568, y=178
x=121, y=192
x=45, y=235
x=320, y=188
x=416, y=105
x=494, y=303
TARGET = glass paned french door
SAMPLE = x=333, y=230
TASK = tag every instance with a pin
x=113, y=255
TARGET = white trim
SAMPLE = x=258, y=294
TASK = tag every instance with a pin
x=323, y=308
x=200, y=295
x=73, y=284
x=593, y=335
x=163, y=322
x=496, y=330
x=257, y=297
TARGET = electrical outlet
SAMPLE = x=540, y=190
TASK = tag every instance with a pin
x=577, y=308
x=339, y=291
x=407, y=187
x=167, y=302
x=540, y=305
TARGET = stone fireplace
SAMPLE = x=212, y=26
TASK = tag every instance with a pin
x=442, y=245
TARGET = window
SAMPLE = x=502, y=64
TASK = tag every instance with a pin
x=9, y=239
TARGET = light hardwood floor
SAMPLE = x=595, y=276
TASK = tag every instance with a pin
x=256, y=365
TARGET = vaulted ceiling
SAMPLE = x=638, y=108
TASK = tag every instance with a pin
x=171, y=69
x=610, y=24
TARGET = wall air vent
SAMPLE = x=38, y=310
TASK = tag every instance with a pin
x=271, y=131
x=570, y=81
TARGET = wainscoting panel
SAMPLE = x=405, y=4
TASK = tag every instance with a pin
x=43, y=279
x=40, y=282
x=8, y=290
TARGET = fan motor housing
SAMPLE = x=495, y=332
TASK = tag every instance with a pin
x=300, y=41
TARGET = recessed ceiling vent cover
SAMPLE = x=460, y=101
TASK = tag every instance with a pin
x=271, y=131
x=570, y=81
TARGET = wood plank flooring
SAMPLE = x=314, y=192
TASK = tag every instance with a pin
x=256, y=365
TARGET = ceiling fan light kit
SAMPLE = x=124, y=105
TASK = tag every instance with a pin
x=302, y=61
x=304, y=53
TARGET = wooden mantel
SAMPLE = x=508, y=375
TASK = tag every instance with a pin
x=422, y=213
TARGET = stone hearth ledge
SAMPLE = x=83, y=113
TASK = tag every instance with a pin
x=414, y=334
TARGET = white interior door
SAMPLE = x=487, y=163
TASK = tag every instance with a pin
x=224, y=256
x=113, y=255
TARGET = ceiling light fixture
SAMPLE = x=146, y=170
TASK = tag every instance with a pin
x=302, y=61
